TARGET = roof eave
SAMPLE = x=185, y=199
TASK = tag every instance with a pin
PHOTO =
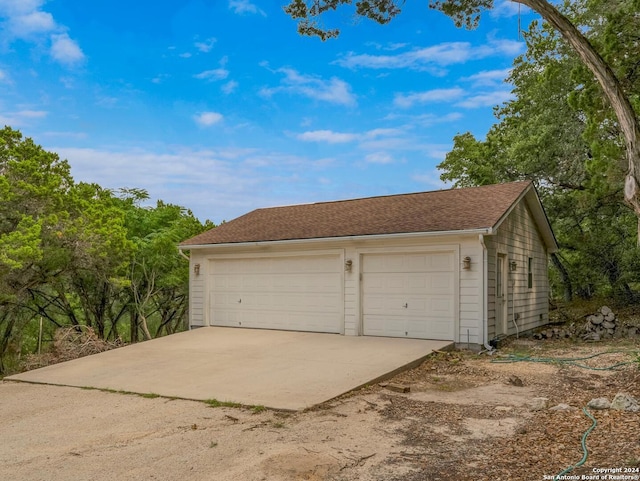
x=483, y=230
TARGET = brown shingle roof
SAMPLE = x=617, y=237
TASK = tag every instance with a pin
x=437, y=211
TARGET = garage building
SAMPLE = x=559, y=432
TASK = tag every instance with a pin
x=466, y=265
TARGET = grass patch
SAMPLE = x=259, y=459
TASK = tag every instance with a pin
x=147, y=395
x=258, y=409
x=214, y=403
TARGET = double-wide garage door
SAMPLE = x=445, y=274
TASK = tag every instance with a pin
x=402, y=295
x=409, y=295
x=299, y=293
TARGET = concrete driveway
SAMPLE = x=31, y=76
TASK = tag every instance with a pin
x=277, y=369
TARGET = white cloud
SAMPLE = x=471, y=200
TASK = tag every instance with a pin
x=65, y=50
x=32, y=23
x=207, y=119
x=205, y=177
x=431, y=180
x=334, y=90
x=32, y=114
x=4, y=77
x=508, y=8
x=229, y=87
x=326, y=136
x=244, y=7
x=206, y=46
x=185, y=55
x=429, y=96
x=379, y=158
x=331, y=137
x=25, y=20
x=488, y=77
x=22, y=118
x=432, y=58
x=212, y=75
x=487, y=99
x=160, y=78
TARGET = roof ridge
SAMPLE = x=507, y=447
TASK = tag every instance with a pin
x=405, y=194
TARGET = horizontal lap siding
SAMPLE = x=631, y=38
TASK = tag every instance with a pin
x=469, y=298
x=470, y=303
x=197, y=291
x=519, y=239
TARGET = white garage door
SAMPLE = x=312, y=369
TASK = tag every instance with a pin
x=298, y=293
x=409, y=295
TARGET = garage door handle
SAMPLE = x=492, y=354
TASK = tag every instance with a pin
x=406, y=305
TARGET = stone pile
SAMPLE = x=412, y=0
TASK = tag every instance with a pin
x=553, y=333
x=604, y=325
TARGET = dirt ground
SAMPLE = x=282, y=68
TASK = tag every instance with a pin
x=465, y=418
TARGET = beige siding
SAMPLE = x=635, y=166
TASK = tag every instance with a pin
x=519, y=239
x=468, y=282
x=197, y=290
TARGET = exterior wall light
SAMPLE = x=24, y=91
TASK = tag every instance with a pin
x=513, y=266
x=466, y=263
x=196, y=269
x=348, y=265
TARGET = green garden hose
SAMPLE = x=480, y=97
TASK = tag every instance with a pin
x=570, y=361
x=584, y=446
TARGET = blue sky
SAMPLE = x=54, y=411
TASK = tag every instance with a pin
x=221, y=107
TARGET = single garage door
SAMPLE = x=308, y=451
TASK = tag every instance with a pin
x=297, y=293
x=409, y=295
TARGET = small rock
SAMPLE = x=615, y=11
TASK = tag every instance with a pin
x=504, y=408
x=605, y=310
x=625, y=402
x=609, y=325
x=538, y=403
x=596, y=319
x=515, y=381
x=562, y=407
x=398, y=387
x=632, y=333
x=599, y=403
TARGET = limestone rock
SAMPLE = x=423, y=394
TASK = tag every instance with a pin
x=562, y=407
x=596, y=319
x=538, y=403
x=599, y=403
x=625, y=402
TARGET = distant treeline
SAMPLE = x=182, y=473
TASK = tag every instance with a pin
x=74, y=253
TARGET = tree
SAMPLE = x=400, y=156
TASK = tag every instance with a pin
x=78, y=254
x=557, y=132
x=467, y=13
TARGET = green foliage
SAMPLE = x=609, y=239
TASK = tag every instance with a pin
x=309, y=13
x=560, y=132
x=77, y=254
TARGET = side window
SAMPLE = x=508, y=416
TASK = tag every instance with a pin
x=530, y=273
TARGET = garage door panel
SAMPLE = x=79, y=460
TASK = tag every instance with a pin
x=409, y=295
x=291, y=293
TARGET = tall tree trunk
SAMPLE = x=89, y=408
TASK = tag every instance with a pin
x=627, y=118
x=133, y=325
